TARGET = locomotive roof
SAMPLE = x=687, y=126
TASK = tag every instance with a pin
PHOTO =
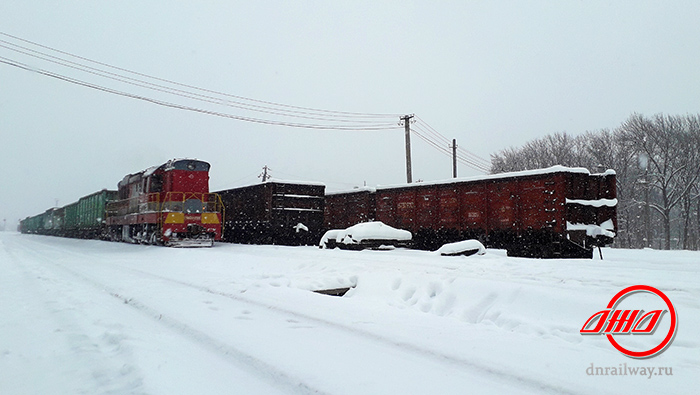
x=169, y=165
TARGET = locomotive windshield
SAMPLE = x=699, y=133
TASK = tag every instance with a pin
x=191, y=165
x=194, y=206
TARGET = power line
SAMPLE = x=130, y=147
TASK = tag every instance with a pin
x=465, y=153
x=420, y=131
x=474, y=157
x=447, y=153
x=188, y=108
x=283, y=107
x=337, y=120
x=173, y=91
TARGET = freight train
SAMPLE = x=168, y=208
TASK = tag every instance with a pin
x=169, y=204
x=546, y=213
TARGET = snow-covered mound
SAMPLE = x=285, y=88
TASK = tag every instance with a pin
x=366, y=234
x=465, y=247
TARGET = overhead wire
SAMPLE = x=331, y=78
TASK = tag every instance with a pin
x=184, y=107
x=365, y=124
x=283, y=107
x=166, y=89
x=178, y=92
x=446, y=152
x=339, y=120
x=442, y=146
x=465, y=152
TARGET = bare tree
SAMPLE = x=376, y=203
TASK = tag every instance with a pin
x=671, y=153
x=606, y=148
x=554, y=149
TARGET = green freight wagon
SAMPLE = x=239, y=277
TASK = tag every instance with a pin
x=83, y=219
x=48, y=226
x=58, y=221
x=70, y=220
x=33, y=225
x=90, y=214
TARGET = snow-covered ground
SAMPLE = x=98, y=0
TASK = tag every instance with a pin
x=93, y=317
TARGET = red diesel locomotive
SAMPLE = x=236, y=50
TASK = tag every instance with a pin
x=168, y=204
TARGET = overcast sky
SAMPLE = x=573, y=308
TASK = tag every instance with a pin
x=491, y=74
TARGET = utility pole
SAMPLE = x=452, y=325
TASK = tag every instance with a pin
x=264, y=174
x=454, y=158
x=647, y=225
x=407, y=125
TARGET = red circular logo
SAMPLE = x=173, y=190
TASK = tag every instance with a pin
x=624, y=322
x=671, y=331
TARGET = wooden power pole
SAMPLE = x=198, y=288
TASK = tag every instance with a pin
x=407, y=125
x=264, y=174
x=454, y=158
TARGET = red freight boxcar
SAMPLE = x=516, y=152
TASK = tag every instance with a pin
x=345, y=209
x=554, y=212
x=168, y=204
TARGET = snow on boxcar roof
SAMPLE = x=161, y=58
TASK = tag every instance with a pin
x=524, y=173
x=357, y=189
x=296, y=182
x=280, y=181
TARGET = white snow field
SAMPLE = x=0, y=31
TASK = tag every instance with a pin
x=94, y=317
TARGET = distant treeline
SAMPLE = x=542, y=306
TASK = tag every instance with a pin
x=657, y=160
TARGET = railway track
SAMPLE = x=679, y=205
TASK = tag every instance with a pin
x=291, y=349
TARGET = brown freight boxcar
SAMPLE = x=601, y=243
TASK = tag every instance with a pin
x=554, y=212
x=345, y=209
x=274, y=212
